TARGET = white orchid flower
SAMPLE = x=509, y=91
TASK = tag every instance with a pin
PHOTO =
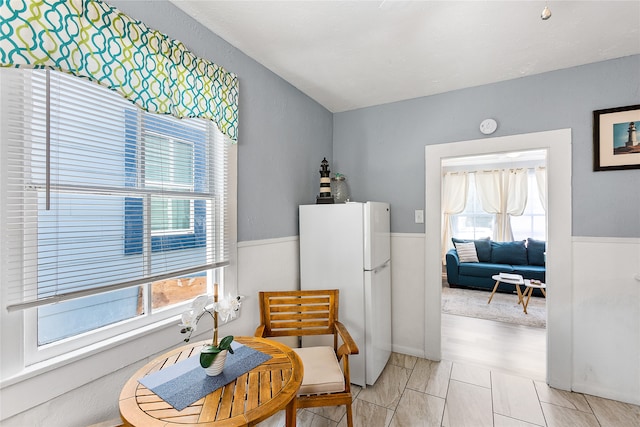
x=198, y=305
x=227, y=308
x=189, y=320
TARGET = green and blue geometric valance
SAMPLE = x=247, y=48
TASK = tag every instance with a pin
x=90, y=39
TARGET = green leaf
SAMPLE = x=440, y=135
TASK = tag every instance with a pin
x=208, y=355
x=225, y=343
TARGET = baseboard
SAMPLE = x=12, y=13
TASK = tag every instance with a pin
x=605, y=393
x=411, y=351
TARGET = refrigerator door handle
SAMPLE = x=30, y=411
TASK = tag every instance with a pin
x=381, y=267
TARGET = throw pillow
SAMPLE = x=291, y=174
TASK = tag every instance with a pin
x=483, y=247
x=514, y=253
x=535, y=251
x=466, y=252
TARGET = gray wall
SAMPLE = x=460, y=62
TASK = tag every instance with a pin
x=381, y=149
x=282, y=137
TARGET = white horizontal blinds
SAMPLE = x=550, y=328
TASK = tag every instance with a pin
x=133, y=196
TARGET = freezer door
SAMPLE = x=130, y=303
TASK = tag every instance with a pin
x=377, y=234
x=378, y=320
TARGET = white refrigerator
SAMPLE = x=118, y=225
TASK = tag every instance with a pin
x=348, y=247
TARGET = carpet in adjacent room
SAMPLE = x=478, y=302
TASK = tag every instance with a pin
x=503, y=308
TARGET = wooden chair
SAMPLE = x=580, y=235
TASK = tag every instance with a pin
x=304, y=313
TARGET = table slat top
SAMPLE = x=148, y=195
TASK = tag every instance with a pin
x=249, y=399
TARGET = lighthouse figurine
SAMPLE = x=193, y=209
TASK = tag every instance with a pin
x=325, y=196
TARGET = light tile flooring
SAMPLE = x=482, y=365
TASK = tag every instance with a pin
x=465, y=392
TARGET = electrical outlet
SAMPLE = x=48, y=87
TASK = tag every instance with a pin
x=419, y=214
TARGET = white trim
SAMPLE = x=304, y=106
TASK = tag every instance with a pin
x=409, y=235
x=70, y=357
x=277, y=240
x=411, y=351
x=47, y=380
x=618, y=240
x=559, y=268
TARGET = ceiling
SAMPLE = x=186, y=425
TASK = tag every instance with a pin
x=354, y=54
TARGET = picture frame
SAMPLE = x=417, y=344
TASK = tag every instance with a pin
x=616, y=138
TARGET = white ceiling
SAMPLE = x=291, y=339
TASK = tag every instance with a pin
x=353, y=54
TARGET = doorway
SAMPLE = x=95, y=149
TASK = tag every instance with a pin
x=557, y=143
x=499, y=335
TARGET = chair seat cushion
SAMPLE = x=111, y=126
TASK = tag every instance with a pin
x=322, y=373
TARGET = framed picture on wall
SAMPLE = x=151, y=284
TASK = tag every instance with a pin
x=616, y=138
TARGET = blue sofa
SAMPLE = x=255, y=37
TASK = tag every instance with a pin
x=526, y=258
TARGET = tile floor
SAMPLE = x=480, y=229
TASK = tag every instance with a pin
x=417, y=392
x=479, y=386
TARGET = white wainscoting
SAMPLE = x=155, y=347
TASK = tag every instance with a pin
x=606, y=317
x=275, y=265
x=264, y=265
x=605, y=306
x=407, y=293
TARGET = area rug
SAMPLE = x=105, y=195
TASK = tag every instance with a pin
x=503, y=307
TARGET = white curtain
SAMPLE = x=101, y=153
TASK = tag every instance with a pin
x=517, y=191
x=489, y=188
x=541, y=179
x=503, y=193
x=454, y=199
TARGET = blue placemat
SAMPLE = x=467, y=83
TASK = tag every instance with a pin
x=185, y=382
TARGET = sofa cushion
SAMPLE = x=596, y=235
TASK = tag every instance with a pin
x=466, y=252
x=535, y=251
x=514, y=253
x=483, y=247
x=483, y=269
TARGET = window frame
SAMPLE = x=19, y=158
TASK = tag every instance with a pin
x=137, y=127
x=19, y=352
x=479, y=212
x=472, y=196
x=533, y=201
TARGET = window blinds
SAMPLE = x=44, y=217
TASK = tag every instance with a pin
x=100, y=195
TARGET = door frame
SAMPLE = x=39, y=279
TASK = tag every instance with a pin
x=559, y=263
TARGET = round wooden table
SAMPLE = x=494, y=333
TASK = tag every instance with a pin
x=250, y=399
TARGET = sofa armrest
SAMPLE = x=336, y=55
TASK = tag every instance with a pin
x=453, y=262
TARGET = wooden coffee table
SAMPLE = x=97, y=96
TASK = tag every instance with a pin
x=529, y=290
x=250, y=399
x=517, y=282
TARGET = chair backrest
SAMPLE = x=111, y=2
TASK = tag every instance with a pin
x=299, y=313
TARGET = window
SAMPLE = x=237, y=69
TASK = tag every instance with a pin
x=170, y=165
x=533, y=221
x=475, y=223
x=113, y=214
x=169, y=215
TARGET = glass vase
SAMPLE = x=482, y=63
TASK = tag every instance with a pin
x=339, y=189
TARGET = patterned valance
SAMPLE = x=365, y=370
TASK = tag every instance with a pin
x=90, y=39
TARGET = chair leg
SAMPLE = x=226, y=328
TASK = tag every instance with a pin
x=349, y=416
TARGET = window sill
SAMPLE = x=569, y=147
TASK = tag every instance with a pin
x=46, y=380
x=91, y=350
x=43, y=381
